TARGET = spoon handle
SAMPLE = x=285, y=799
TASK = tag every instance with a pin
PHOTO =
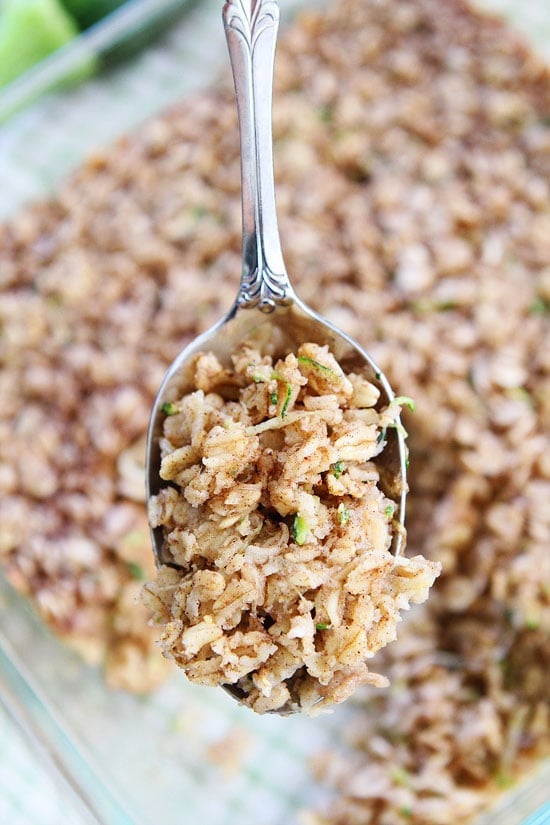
x=251, y=31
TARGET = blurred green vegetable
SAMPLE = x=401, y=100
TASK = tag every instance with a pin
x=30, y=30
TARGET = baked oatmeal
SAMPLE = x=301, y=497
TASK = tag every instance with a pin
x=281, y=579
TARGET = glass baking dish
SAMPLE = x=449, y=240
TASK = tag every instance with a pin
x=119, y=758
x=113, y=757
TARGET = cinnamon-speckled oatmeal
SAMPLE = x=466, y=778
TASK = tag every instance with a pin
x=284, y=582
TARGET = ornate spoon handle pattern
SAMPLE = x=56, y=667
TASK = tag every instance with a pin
x=251, y=30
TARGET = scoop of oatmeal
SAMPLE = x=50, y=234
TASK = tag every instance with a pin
x=284, y=584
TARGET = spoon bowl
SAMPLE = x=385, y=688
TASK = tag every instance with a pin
x=290, y=326
x=266, y=307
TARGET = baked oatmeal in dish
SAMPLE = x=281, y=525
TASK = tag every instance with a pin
x=280, y=576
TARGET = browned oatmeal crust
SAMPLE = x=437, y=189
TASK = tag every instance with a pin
x=412, y=163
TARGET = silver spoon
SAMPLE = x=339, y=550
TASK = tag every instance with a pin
x=266, y=300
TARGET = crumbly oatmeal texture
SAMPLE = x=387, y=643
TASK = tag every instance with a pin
x=285, y=582
x=412, y=163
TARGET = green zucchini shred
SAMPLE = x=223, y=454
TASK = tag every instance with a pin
x=337, y=469
x=286, y=402
x=311, y=362
x=299, y=529
x=405, y=401
x=343, y=514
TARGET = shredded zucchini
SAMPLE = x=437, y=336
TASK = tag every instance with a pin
x=343, y=514
x=136, y=571
x=288, y=396
x=404, y=401
x=311, y=362
x=299, y=529
x=337, y=469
